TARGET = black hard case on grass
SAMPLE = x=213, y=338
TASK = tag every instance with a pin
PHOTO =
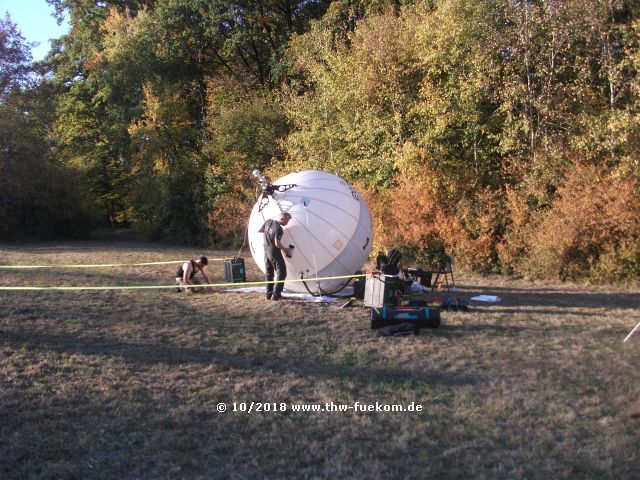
x=234, y=270
x=420, y=316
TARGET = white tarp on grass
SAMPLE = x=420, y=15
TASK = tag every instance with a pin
x=346, y=292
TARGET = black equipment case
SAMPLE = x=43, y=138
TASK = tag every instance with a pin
x=234, y=270
x=420, y=316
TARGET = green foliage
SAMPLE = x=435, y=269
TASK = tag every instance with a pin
x=459, y=126
x=39, y=198
x=354, y=116
x=492, y=101
x=247, y=126
x=470, y=125
x=133, y=109
x=14, y=57
x=167, y=174
x=172, y=206
x=245, y=131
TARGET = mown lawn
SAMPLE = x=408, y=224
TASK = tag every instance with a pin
x=127, y=384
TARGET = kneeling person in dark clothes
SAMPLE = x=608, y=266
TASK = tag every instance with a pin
x=273, y=259
x=186, y=272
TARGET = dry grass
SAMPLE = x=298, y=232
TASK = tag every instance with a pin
x=125, y=384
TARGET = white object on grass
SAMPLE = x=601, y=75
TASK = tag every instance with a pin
x=288, y=294
x=632, y=332
x=486, y=298
x=330, y=228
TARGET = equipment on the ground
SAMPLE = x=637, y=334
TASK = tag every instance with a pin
x=234, y=270
x=381, y=290
x=418, y=274
x=359, y=286
x=419, y=316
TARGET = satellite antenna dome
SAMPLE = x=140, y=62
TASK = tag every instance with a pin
x=330, y=228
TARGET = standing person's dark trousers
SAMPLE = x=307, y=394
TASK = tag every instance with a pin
x=273, y=260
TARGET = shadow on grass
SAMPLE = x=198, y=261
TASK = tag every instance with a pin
x=534, y=311
x=139, y=436
x=513, y=331
x=551, y=297
x=77, y=437
x=146, y=354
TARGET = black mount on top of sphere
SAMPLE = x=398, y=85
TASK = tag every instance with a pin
x=267, y=189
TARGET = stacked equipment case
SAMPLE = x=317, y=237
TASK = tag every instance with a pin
x=383, y=294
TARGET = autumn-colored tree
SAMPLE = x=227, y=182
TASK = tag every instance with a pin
x=592, y=229
x=39, y=197
x=355, y=114
x=470, y=125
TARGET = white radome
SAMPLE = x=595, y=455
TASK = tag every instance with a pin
x=330, y=229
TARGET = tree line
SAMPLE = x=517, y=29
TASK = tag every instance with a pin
x=506, y=131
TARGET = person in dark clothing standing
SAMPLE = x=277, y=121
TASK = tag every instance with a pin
x=273, y=259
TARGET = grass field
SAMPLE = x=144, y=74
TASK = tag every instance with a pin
x=127, y=384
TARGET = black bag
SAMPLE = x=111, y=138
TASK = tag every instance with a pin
x=422, y=275
x=401, y=330
x=358, y=286
x=420, y=316
x=455, y=304
x=414, y=302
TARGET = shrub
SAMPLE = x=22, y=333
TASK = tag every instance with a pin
x=417, y=216
x=39, y=196
x=232, y=208
x=481, y=216
x=379, y=203
x=592, y=230
x=409, y=216
x=522, y=219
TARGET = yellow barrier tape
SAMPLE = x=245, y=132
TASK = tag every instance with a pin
x=7, y=267
x=159, y=287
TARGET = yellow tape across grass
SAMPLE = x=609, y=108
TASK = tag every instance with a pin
x=160, y=287
x=8, y=267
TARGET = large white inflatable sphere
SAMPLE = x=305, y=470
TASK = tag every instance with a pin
x=330, y=229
